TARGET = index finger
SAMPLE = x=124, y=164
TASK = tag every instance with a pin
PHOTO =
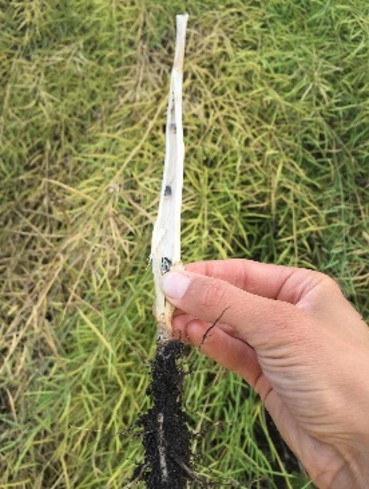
x=278, y=282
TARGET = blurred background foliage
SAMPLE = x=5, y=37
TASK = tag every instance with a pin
x=276, y=112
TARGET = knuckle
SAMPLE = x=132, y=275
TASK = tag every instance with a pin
x=332, y=284
x=212, y=294
x=326, y=282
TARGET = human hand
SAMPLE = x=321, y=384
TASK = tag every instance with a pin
x=292, y=335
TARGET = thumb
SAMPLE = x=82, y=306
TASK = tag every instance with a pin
x=261, y=322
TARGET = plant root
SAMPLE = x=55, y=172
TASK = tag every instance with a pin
x=166, y=436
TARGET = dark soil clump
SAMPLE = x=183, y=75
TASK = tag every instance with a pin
x=166, y=437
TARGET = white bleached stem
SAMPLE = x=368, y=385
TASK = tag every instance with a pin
x=166, y=237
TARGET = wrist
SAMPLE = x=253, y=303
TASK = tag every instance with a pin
x=352, y=475
x=352, y=472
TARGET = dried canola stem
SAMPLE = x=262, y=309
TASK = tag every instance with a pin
x=166, y=237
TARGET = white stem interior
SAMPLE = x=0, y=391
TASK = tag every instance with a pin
x=166, y=237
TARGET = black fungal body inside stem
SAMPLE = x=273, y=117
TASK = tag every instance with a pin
x=166, y=437
x=165, y=265
x=167, y=191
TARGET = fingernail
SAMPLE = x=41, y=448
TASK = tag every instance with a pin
x=175, y=284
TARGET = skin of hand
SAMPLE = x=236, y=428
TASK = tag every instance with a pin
x=292, y=335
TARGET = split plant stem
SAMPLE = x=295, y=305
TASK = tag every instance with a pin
x=166, y=238
x=165, y=433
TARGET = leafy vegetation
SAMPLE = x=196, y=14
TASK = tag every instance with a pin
x=276, y=110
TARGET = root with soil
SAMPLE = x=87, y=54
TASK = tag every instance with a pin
x=166, y=437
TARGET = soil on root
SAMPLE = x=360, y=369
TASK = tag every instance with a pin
x=166, y=437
